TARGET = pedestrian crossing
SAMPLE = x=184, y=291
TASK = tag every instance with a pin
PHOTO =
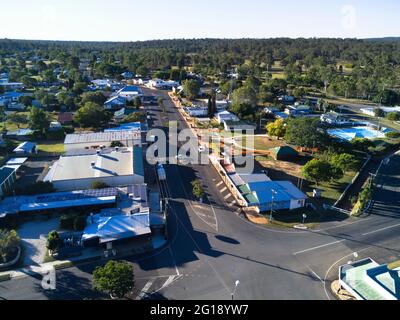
x=151, y=286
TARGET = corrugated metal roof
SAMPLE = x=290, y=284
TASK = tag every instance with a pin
x=98, y=137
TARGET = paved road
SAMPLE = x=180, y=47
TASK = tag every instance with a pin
x=211, y=247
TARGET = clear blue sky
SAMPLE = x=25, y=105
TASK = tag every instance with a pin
x=131, y=20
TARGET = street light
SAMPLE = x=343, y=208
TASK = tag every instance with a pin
x=234, y=290
x=272, y=203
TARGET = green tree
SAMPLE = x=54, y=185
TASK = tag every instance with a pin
x=53, y=242
x=318, y=170
x=345, y=161
x=393, y=116
x=137, y=103
x=92, y=115
x=9, y=241
x=277, y=128
x=191, y=88
x=379, y=113
x=38, y=120
x=198, y=190
x=115, y=278
x=95, y=97
x=361, y=144
x=18, y=118
x=305, y=132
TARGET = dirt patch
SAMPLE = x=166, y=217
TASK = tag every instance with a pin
x=255, y=217
x=289, y=168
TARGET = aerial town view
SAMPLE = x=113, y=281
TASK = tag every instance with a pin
x=200, y=151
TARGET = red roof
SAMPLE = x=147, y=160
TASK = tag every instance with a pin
x=65, y=117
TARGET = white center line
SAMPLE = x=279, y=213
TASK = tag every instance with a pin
x=382, y=229
x=315, y=248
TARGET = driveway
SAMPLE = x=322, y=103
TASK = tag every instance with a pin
x=33, y=236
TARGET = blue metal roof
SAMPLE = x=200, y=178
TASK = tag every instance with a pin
x=138, y=160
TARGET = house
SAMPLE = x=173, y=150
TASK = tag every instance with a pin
x=95, y=140
x=197, y=111
x=298, y=110
x=386, y=110
x=127, y=75
x=9, y=98
x=10, y=86
x=335, y=119
x=226, y=116
x=65, y=118
x=238, y=125
x=26, y=148
x=122, y=113
x=163, y=85
x=130, y=93
x=368, y=280
x=284, y=153
x=55, y=126
x=116, y=167
x=286, y=99
x=20, y=134
x=115, y=103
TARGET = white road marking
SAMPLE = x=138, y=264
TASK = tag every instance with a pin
x=382, y=229
x=219, y=183
x=173, y=260
x=315, y=248
x=145, y=289
x=227, y=196
x=223, y=189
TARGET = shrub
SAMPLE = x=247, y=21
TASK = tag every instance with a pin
x=53, y=241
x=9, y=241
x=99, y=185
x=117, y=144
x=393, y=135
x=79, y=223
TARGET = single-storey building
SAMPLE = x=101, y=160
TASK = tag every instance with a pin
x=122, y=113
x=238, y=125
x=26, y=147
x=298, y=110
x=110, y=229
x=115, y=167
x=226, y=116
x=335, y=119
x=368, y=280
x=95, y=140
x=130, y=93
x=115, y=102
x=20, y=134
x=284, y=153
x=161, y=84
x=65, y=118
x=278, y=195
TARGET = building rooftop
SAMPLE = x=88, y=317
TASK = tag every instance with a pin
x=98, y=137
x=370, y=281
x=93, y=165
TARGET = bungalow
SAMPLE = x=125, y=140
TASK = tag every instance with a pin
x=115, y=102
x=65, y=118
x=9, y=98
x=55, y=126
x=197, y=111
x=26, y=148
x=122, y=113
x=335, y=119
x=287, y=99
x=20, y=134
x=298, y=110
x=386, y=110
x=163, y=85
x=238, y=125
x=127, y=75
x=226, y=116
x=10, y=86
x=130, y=93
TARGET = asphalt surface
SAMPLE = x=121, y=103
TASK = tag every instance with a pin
x=211, y=247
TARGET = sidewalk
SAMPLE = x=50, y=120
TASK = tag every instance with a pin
x=89, y=255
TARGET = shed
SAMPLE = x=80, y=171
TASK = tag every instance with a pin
x=284, y=153
x=25, y=148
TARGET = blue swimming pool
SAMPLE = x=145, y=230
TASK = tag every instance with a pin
x=356, y=132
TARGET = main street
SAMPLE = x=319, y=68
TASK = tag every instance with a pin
x=211, y=246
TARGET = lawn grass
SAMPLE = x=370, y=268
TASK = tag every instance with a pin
x=48, y=258
x=332, y=191
x=290, y=219
x=51, y=147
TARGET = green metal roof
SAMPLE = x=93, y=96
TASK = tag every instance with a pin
x=284, y=151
